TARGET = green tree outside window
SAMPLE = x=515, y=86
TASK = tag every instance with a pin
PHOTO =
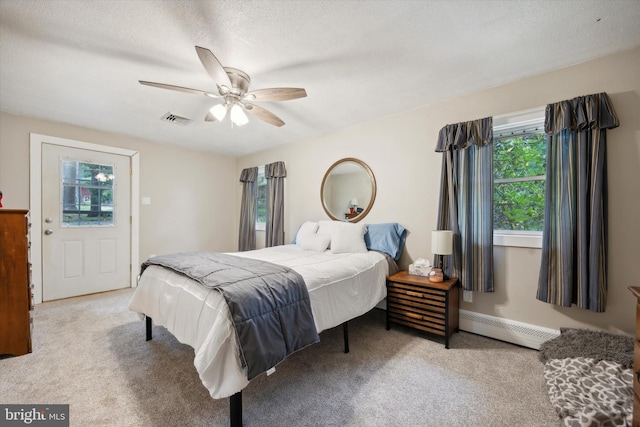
x=519, y=163
x=261, y=203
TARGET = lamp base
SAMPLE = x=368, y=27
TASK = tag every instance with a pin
x=441, y=267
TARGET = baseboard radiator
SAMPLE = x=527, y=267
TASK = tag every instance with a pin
x=520, y=333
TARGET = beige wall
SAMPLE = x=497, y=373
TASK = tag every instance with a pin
x=195, y=195
x=192, y=193
x=400, y=151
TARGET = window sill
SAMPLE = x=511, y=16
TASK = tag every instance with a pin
x=261, y=227
x=520, y=239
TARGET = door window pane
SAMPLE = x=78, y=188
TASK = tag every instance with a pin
x=87, y=194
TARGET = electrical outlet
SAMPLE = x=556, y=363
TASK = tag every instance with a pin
x=467, y=296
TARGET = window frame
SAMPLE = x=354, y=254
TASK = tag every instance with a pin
x=518, y=122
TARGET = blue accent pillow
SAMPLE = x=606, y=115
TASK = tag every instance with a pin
x=295, y=236
x=388, y=238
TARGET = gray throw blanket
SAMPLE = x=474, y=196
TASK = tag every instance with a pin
x=269, y=303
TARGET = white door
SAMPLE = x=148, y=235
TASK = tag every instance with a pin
x=85, y=221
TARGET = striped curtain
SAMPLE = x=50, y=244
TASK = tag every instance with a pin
x=275, y=174
x=466, y=201
x=574, y=238
x=247, y=235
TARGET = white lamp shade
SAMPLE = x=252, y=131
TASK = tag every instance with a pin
x=442, y=242
x=238, y=116
x=219, y=111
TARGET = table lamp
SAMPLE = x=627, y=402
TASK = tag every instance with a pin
x=441, y=244
x=353, y=205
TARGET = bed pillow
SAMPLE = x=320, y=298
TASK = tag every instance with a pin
x=388, y=238
x=325, y=227
x=347, y=237
x=307, y=229
x=315, y=242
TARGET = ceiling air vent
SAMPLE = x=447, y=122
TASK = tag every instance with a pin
x=178, y=120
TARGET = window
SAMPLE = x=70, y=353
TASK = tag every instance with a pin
x=261, y=203
x=519, y=162
x=87, y=194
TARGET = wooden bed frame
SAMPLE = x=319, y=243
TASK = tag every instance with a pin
x=235, y=401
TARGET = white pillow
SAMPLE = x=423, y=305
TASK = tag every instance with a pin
x=326, y=228
x=348, y=237
x=316, y=242
x=309, y=228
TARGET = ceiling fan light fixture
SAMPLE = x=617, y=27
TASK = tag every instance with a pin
x=238, y=117
x=233, y=88
x=219, y=111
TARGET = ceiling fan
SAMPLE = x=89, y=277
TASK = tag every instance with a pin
x=233, y=86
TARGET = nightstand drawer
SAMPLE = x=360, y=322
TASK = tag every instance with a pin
x=428, y=319
x=421, y=323
x=415, y=311
x=436, y=301
x=418, y=291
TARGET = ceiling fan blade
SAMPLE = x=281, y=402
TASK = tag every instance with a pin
x=264, y=115
x=179, y=88
x=213, y=67
x=209, y=117
x=276, y=94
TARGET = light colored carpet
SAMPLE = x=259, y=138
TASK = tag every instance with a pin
x=90, y=352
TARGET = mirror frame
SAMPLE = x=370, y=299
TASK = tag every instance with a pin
x=372, y=178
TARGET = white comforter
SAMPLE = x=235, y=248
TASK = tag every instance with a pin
x=341, y=287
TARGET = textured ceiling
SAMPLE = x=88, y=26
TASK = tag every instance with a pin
x=79, y=62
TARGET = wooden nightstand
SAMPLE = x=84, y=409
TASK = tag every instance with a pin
x=419, y=303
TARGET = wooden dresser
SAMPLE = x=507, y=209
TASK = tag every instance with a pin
x=636, y=361
x=15, y=283
x=419, y=303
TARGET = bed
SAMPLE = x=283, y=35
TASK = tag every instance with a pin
x=344, y=267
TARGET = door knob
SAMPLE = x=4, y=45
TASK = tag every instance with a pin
x=48, y=231
x=48, y=220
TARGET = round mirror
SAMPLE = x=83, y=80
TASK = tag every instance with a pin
x=348, y=190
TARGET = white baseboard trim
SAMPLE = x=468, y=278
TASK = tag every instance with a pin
x=520, y=333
